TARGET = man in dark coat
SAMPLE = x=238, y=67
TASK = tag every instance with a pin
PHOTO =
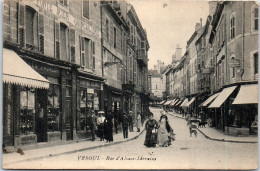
x=125, y=124
x=116, y=120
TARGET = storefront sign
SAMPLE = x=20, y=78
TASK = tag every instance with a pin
x=66, y=16
x=90, y=90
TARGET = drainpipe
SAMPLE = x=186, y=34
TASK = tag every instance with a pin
x=243, y=44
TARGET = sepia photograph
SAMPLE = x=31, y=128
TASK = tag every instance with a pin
x=130, y=84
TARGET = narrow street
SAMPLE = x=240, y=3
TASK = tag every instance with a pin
x=185, y=152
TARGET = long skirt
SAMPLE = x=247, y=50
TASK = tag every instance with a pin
x=150, y=139
x=163, y=139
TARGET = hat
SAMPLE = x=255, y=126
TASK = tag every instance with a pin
x=101, y=112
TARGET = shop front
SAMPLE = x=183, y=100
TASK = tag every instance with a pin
x=40, y=114
x=22, y=113
x=243, y=115
x=88, y=99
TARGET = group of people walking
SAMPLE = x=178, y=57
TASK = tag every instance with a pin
x=101, y=125
x=158, y=132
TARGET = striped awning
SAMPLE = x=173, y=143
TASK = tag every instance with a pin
x=190, y=102
x=16, y=71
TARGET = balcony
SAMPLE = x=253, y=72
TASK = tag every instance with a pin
x=142, y=58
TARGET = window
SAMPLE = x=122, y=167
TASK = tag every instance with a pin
x=64, y=42
x=85, y=52
x=131, y=34
x=27, y=111
x=53, y=106
x=232, y=27
x=114, y=37
x=85, y=8
x=256, y=63
x=107, y=29
x=64, y=2
x=31, y=27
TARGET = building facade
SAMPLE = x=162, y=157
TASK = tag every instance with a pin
x=75, y=55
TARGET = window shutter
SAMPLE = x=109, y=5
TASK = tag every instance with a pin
x=21, y=25
x=41, y=32
x=93, y=54
x=57, y=40
x=72, y=45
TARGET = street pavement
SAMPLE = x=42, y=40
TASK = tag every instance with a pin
x=185, y=153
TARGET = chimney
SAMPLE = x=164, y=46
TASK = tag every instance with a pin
x=200, y=22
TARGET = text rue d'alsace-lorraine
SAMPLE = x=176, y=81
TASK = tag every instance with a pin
x=126, y=84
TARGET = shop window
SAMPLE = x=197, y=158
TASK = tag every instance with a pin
x=53, y=108
x=64, y=42
x=31, y=27
x=256, y=63
x=27, y=111
x=86, y=104
x=86, y=11
x=232, y=26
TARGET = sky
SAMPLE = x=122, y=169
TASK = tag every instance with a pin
x=168, y=23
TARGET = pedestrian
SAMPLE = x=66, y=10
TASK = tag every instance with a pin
x=100, y=124
x=108, y=124
x=116, y=120
x=163, y=135
x=138, y=121
x=131, y=118
x=125, y=124
x=151, y=125
x=93, y=124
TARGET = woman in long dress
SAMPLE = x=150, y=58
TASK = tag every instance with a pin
x=108, y=124
x=150, y=125
x=163, y=134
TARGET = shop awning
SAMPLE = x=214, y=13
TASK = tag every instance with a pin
x=176, y=102
x=248, y=94
x=209, y=100
x=190, y=102
x=172, y=102
x=224, y=94
x=168, y=102
x=184, y=102
x=162, y=102
x=16, y=71
x=179, y=103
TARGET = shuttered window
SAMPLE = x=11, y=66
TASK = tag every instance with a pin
x=72, y=45
x=57, y=40
x=85, y=52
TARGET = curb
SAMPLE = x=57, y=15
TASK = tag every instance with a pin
x=78, y=150
x=215, y=139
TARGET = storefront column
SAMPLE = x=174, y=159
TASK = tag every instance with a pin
x=16, y=112
x=74, y=103
x=63, y=102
